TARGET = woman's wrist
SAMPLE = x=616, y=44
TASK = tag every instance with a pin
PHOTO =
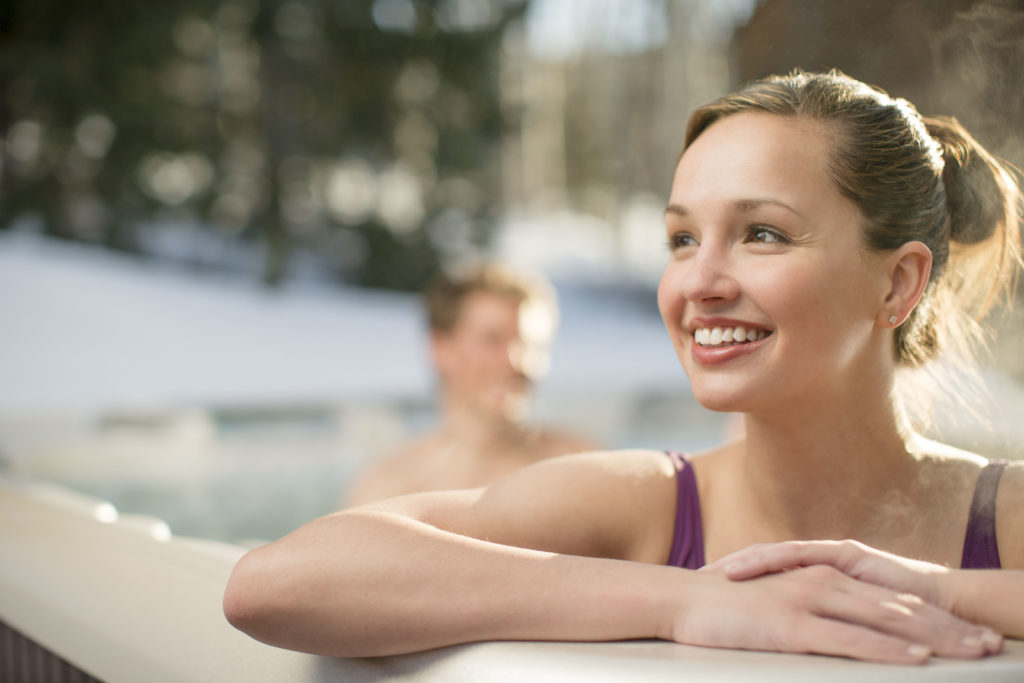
x=989, y=597
x=676, y=601
x=958, y=588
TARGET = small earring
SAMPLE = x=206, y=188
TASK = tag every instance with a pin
x=893, y=319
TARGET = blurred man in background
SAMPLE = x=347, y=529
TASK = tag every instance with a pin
x=490, y=332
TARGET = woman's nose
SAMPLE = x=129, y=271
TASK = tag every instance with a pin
x=709, y=275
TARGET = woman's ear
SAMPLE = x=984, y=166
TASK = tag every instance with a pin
x=910, y=266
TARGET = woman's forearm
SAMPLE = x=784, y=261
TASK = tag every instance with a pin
x=366, y=583
x=991, y=597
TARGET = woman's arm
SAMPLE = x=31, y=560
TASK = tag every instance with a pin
x=371, y=582
x=992, y=597
x=411, y=573
x=438, y=569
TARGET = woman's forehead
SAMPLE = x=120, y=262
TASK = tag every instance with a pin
x=756, y=155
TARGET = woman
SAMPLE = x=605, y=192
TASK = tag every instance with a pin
x=822, y=236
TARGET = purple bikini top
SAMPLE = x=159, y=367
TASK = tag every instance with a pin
x=981, y=550
x=688, y=538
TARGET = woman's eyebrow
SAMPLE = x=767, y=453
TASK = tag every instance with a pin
x=751, y=204
x=740, y=204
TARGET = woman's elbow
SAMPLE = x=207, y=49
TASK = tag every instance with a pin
x=271, y=599
x=247, y=596
x=314, y=590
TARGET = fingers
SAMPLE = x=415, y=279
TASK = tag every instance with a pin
x=820, y=609
x=763, y=559
x=757, y=560
x=908, y=618
x=837, y=638
x=850, y=557
x=748, y=557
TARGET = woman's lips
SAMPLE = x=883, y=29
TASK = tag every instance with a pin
x=719, y=344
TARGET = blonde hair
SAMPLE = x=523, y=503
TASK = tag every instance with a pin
x=913, y=178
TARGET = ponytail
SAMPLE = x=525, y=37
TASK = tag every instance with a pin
x=983, y=201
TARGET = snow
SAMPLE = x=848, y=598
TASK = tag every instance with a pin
x=86, y=329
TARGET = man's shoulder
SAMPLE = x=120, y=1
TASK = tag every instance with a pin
x=396, y=472
x=408, y=457
x=554, y=442
x=417, y=447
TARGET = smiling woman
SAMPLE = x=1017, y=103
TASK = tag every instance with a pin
x=822, y=235
x=762, y=240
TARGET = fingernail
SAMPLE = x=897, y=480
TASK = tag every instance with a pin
x=919, y=651
x=974, y=642
x=992, y=640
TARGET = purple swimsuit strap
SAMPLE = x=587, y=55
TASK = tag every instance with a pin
x=688, y=538
x=981, y=551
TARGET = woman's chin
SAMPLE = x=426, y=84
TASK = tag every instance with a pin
x=722, y=400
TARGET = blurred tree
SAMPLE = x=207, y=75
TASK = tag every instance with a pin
x=364, y=133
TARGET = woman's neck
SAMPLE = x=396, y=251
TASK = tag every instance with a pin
x=825, y=472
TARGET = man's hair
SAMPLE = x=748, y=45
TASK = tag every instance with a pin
x=444, y=296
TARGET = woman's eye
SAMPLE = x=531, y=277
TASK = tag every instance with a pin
x=680, y=240
x=765, y=235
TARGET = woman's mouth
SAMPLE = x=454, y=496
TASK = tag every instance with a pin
x=712, y=337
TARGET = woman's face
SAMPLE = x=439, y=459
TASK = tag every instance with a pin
x=765, y=248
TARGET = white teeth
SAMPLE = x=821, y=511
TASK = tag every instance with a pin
x=719, y=336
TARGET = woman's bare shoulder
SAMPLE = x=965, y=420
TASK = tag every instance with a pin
x=617, y=463
x=1010, y=516
x=578, y=480
x=1009, y=497
x=605, y=503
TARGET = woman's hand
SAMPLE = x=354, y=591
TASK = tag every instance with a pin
x=821, y=610
x=923, y=579
x=928, y=584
